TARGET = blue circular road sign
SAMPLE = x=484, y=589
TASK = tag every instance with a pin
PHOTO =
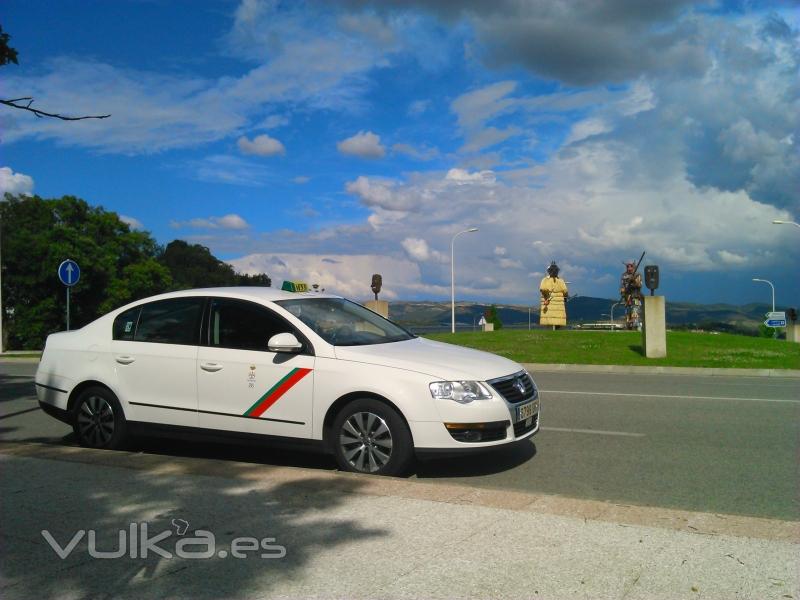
x=69, y=272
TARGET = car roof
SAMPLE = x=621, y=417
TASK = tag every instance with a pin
x=258, y=293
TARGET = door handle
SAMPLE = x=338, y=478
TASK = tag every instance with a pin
x=124, y=360
x=211, y=367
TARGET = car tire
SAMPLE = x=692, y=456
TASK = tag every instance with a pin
x=98, y=420
x=369, y=436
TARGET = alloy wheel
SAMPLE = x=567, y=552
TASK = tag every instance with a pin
x=366, y=442
x=96, y=421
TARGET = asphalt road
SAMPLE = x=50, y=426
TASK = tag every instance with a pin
x=712, y=444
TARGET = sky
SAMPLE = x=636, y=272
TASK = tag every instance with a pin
x=326, y=141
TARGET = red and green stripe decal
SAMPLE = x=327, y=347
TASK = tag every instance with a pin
x=261, y=405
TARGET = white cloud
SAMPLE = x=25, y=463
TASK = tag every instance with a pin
x=586, y=129
x=380, y=193
x=464, y=177
x=418, y=250
x=302, y=57
x=500, y=251
x=417, y=107
x=221, y=168
x=15, y=183
x=731, y=258
x=510, y=263
x=273, y=122
x=301, y=179
x=479, y=106
x=132, y=222
x=364, y=144
x=345, y=274
x=424, y=153
x=231, y=221
x=261, y=145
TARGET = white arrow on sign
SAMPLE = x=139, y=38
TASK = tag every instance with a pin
x=69, y=270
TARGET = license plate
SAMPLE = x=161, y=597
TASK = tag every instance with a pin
x=526, y=411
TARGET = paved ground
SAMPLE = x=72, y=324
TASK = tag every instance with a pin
x=711, y=444
x=639, y=487
x=349, y=536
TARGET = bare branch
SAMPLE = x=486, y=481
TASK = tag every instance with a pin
x=41, y=113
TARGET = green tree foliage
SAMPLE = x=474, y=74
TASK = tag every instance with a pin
x=193, y=266
x=117, y=265
x=7, y=53
x=493, y=317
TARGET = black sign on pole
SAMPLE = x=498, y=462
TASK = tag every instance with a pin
x=651, y=278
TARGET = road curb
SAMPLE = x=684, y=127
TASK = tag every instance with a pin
x=643, y=370
x=261, y=475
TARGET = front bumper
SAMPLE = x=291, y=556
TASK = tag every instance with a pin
x=482, y=424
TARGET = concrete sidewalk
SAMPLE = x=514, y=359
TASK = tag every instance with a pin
x=350, y=536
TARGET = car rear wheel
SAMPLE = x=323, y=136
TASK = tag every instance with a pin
x=370, y=437
x=98, y=421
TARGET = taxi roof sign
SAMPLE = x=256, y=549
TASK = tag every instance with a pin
x=294, y=286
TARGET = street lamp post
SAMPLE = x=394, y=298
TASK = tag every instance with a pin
x=453, y=278
x=769, y=283
x=779, y=222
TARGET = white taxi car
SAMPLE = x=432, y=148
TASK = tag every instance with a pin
x=283, y=366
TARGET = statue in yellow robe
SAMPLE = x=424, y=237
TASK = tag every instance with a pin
x=553, y=307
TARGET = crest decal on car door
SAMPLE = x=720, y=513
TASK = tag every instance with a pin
x=261, y=405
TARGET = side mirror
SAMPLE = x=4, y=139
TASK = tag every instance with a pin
x=284, y=342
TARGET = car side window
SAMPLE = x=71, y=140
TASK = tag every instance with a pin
x=242, y=325
x=125, y=324
x=175, y=321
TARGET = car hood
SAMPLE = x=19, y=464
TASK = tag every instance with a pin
x=443, y=361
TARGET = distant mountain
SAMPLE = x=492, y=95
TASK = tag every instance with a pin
x=428, y=316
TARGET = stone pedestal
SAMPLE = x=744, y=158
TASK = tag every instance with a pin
x=488, y=327
x=793, y=332
x=379, y=306
x=654, y=327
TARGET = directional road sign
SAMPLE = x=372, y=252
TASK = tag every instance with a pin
x=775, y=322
x=69, y=272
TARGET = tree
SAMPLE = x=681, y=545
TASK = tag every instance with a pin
x=7, y=53
x=10, y=55
x=193, y=266
x=493, y=318
x=117, y=265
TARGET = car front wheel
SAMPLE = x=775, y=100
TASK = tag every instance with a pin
x=371, y=437
x=98, y=421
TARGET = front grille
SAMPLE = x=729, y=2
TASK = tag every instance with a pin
x=509, y=387
x=521, y=429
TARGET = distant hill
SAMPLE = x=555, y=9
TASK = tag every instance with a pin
x=431, y=316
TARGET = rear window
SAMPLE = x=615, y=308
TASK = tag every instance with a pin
x=125, y=324
x=175, y=321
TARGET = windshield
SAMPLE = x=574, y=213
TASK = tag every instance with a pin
x=343, y=323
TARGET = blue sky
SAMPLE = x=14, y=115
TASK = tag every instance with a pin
x=327, y=141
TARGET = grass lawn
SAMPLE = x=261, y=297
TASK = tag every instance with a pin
x=684, y=349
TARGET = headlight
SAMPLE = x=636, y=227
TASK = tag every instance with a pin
x=460, y=391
